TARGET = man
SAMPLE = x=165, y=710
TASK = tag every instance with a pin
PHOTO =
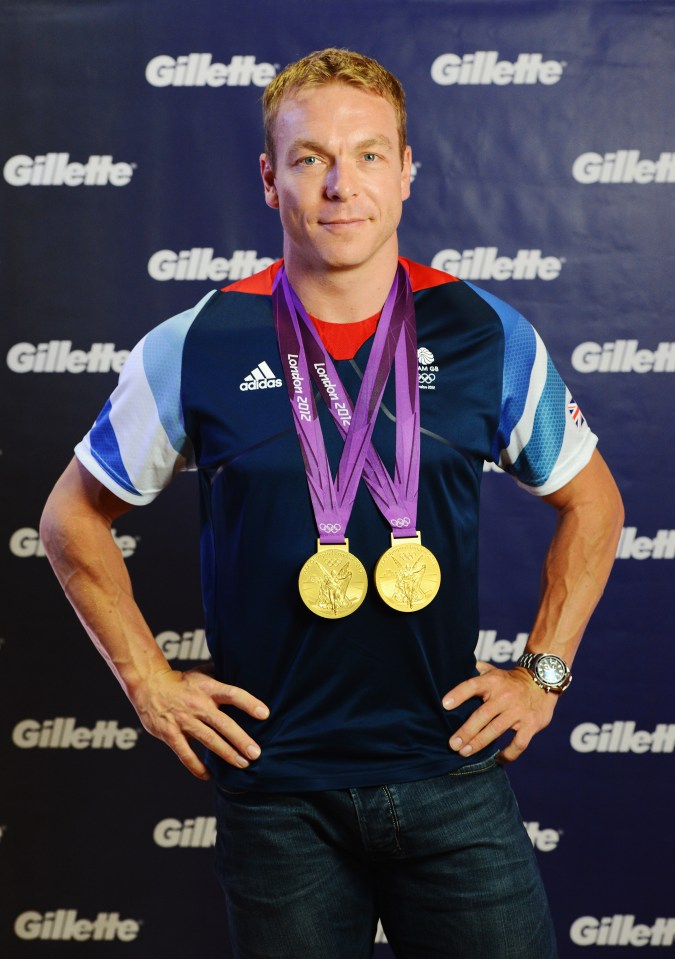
x=350, y=734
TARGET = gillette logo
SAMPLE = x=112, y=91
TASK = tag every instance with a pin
x=64, y=733
x=199, y=70
x=199, y=263
x=64, y=925
x=623, y=166
x=484, y=68
x=485, y=263
x=56, y=169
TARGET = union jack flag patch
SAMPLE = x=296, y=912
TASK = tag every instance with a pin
x=576, y=414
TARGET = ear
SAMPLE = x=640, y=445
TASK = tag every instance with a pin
x=405, y=173
x=267, y=174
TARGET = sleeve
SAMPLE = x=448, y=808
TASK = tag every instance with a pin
x=138, y=441
x=543, y=439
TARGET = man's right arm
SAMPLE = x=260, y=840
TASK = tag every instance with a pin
x=174, y=706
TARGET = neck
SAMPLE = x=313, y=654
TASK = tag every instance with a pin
x=345, y=294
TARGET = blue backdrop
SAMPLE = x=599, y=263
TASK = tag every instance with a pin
x=544, y=170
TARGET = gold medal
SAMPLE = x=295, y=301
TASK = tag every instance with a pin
x=407, y=576
x=333, y=583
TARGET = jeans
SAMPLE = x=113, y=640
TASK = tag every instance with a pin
x=445, y=862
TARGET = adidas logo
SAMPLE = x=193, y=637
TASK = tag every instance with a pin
x=261, y=378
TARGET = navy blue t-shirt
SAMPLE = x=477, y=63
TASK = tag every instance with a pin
x=353, y=701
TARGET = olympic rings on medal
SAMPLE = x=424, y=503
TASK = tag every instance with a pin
x=427, y=377
x=330, y=527
x=401, y=522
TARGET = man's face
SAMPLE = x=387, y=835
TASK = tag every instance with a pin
x=338, y=180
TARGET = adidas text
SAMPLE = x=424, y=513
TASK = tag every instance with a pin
x=199, y=70
x=199, y=263
x=622, y=737
x=623, y=166
x=64, y=925
x=484, y=263
x=58, y=357
x=198, y=833
x=261, y=378
x=64, y=733
x=484, y=67
x=623, y=356
x=621, y=931
x=55, y=169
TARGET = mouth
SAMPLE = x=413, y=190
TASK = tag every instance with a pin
x=342, y=223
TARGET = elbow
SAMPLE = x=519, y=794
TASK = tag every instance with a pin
x=605, y=500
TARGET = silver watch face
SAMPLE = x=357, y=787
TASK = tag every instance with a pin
x=551, y=670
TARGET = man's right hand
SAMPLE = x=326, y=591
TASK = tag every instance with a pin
x=177, y=707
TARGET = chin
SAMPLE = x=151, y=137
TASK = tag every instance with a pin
x=345, y=257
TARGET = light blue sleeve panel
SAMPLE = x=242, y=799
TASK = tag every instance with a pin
x=542, y=440
x=138, y=442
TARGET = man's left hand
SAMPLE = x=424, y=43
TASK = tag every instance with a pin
x=511, y=700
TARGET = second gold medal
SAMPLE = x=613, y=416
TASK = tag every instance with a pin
x=407, y=575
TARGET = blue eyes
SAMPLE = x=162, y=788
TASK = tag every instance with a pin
x=314, y=160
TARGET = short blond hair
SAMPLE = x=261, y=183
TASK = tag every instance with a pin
x=332, y=65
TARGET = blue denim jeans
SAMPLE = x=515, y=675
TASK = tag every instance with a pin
x=445, y=862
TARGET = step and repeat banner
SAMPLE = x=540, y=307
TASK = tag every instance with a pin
x=544, y=164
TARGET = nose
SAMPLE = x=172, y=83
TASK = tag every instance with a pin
x=340, y=181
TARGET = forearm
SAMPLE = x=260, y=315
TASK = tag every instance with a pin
x=90, y=567
x=577, y=565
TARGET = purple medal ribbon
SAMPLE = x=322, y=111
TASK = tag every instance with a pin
x=303, y=358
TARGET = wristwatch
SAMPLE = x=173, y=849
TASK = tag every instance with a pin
x=550, y=672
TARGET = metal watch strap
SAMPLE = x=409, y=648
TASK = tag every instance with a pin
x=528, y=660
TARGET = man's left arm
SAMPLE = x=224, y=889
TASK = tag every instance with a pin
x=577, y=566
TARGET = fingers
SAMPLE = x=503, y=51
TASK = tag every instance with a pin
x=511, y=701
x=218, y=726
x=182, y=708
x=189, y=758
x=482, y=728
x=515, y=748
x=469, y=689
x=180, y=740
x=234, y=696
